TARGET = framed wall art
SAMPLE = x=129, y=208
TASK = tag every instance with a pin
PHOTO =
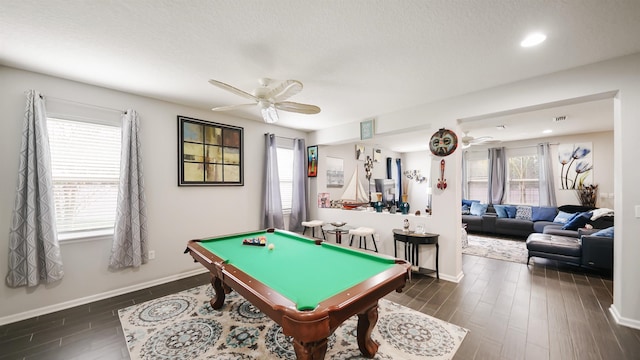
x=366, y=129
x=335, y=172
x=209, y=153
x=312, y=161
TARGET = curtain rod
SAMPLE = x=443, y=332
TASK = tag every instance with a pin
x=84, y=104
x=282, y=137
x=516, y=147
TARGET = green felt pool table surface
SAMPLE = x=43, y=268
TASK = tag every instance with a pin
x=298, y=268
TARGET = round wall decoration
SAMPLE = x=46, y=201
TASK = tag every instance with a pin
x=443, y=142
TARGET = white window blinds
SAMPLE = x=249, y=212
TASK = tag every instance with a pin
x=285, y=173
x=85, y=161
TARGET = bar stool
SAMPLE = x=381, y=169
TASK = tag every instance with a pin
x=313, y=224
x=362, y=233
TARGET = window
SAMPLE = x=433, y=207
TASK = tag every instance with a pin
x=85, y=159
x=523, y=179
x=285, y=173
x=477, y=175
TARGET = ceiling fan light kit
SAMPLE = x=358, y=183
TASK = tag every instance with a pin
x=269, y=98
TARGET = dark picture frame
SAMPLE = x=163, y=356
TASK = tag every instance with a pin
x=209, y=153
x=312, y=161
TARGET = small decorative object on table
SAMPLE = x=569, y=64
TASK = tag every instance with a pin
x=378, y=204
x=406, y=225
x=338, y=224
x=404, y=205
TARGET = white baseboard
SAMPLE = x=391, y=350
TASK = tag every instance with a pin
x=623, y=321
x=89, y=299
x=455, y=279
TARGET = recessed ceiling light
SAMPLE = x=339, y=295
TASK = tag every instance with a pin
x=533, y=39
x=548, y=131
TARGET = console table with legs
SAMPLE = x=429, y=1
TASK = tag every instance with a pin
x=412, y=241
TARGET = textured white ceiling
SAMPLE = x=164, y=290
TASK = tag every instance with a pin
x=357, y=59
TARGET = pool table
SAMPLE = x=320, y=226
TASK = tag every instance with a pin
x=308, y=286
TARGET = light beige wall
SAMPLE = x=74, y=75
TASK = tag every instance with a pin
x=175, y=214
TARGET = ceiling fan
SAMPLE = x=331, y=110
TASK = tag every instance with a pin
x=467, y=140
x=269, y=98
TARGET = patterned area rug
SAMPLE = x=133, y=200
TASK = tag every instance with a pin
x=184, y=326
x=496, y=248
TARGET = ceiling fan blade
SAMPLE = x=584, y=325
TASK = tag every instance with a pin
x=297, y=107
x=234, y=90
x=285, y=90
x=231, y=107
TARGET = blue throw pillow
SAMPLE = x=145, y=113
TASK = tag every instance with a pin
x=580, y=220
x=608, y=232
x=543, y=213
x=478, y=208
x=501, y=210
x=523, y=212
x=469, y=202
x=564, y=217
x=466, y=210
x=511, y=211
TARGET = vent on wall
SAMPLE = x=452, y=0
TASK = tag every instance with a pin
x=559, y=118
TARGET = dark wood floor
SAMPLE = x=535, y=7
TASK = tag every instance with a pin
x=543, y=311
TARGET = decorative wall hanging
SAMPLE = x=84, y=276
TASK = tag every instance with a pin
x=414, y=175
x=209, y=153
x=335, y=172
x=360, y=152
x=312, y=161
x=377, y=155
x=443, y=142
x=442, y=182
x=576, y=164
x=366, y=129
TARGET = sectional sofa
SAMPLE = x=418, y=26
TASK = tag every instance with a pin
x=520, y=221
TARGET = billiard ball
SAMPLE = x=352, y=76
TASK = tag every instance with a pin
x=271, y=246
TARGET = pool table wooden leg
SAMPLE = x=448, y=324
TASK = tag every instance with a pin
x=310, y=351
x=218, y=300
x=366, y=322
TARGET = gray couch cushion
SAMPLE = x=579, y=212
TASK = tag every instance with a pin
x=557, y=230
x=539, y=226
x=552, y=244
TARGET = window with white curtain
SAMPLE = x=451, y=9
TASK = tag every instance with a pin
x=85, y=157
x=523, y=176
x=284, y=152
x=477, y=175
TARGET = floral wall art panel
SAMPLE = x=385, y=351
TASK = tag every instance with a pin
x=576, y=165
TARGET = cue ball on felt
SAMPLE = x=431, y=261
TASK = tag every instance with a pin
x=271, y=246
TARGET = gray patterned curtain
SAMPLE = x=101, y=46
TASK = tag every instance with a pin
x=497, y=175
x=299, y=200
x=546, y=185
x=272, y=204
x=465, y=183
x=130, y=233
x=34, y=253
